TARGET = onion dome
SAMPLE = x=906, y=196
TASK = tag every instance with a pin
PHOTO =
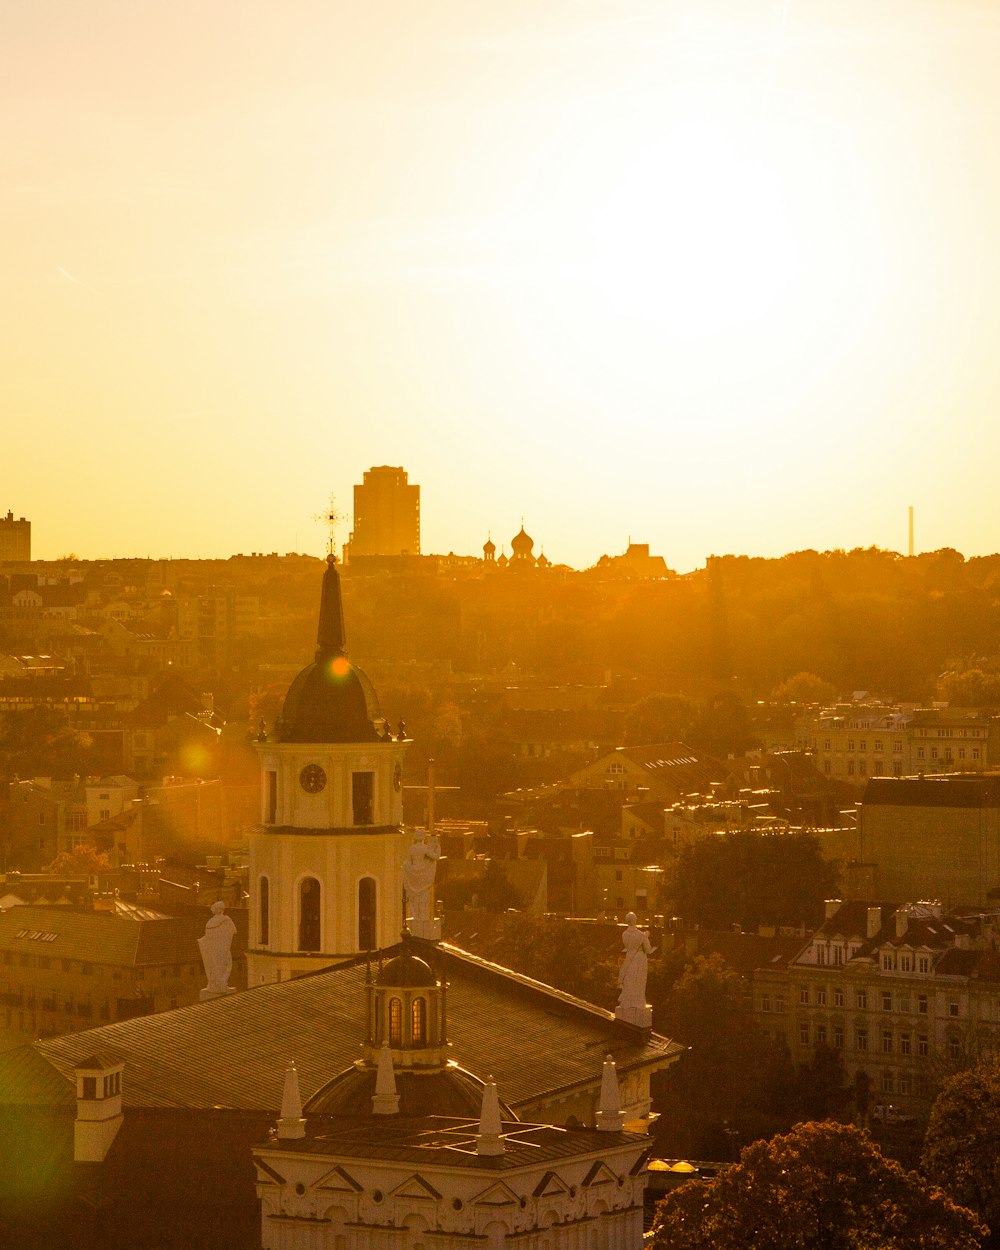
x=502, y=561
x=331, y=700
x=543, y=561
x=489, y=549
x=522, y=543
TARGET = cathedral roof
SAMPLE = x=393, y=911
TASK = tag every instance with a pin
x=448, y=1091
x=331, y=700
x=406, y=970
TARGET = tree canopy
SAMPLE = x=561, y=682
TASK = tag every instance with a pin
x=751, y=879
x=962, y=1147
x=821, y=1187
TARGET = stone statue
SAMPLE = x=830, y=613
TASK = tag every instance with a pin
x=419, y=869
x=216, y=950
x=632, y=975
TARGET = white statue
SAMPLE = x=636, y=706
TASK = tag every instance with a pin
x=419, y=869
x=216, y=950
x=632, y=974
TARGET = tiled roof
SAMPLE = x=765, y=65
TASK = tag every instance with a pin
x=232, y=1052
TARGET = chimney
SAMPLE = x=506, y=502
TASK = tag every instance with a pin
x=386, y=1100
x=873, y=921
x=610, y=1118
x=902, y=922
x=98, y=1108
x=490, y=1140
x=292, y=1124
x=830, y=907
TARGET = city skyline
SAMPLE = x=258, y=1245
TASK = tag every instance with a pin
x=716, y=277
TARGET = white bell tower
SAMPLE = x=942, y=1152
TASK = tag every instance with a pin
x=326, y=860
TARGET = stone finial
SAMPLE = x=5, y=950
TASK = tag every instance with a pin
x=610, y=1118
x=292, y=1123
x=490, y=1139
x=386, y=1100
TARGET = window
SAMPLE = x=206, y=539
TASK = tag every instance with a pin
x=362, y=797
x=804, y=995
x=904, y=1003
x=265, y=911
x=954, y=1048
x=878, y=746
x=838, y=954
x=886, y=1041
x=906, y=963
x=886, y=1001
x=953, y=1009
x=897, y=748
x=395, y=1022
x=922, y=1045
x=860, y=1039
x=366, y=914
x=863, y=745
x=861, y=1000
x=920, y=753
x=820, y=1034
x=272, y=798
x=765, y=1002
x=924, y=963
x=309, y=915
x=850, y=768
x=779, y=1004
x=886, y=962
x=418, y=1017
x=821, y=998
x=887, y=1082
x=90, y=1087
x=838, y=998
x=904, y=1043
x=838, y=1037
x=905, y=1083
x=850, y=744
x=922, y=1004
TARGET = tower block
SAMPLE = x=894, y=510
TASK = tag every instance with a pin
x=326, y=861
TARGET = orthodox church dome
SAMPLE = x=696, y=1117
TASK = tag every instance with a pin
x=331, y=700
x=522, y=543
x=406, y=970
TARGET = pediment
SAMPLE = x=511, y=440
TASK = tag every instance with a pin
x=266, y=1175
x=415, y=1187
x=550, y=1186
x=600, y=1174
x=497, y=1195
x=339, y=1181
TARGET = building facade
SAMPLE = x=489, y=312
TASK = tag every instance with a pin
x=386, y=514
x=15, y=539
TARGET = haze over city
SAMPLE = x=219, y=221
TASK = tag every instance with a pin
x=715, y=276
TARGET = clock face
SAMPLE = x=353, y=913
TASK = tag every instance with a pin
x=397, y=777
x=312, y=779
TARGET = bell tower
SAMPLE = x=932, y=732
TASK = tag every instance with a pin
x=326, y=860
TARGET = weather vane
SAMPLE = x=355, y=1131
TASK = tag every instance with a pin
x=331, y=518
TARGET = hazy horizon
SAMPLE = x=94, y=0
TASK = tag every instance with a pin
x=716, y=276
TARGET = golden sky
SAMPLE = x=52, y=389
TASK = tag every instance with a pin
x=719, y=276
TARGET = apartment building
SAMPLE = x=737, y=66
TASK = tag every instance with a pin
x=907, y=995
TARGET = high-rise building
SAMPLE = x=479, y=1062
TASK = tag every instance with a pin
x=15, y=538
x=386, y=514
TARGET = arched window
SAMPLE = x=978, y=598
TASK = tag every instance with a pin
x=309, y=905
x=366, y=914
x=265, y=911
x=395, y=1022
x=418, y=1021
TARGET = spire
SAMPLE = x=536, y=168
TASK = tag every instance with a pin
x=331, y=639
x=490, y=1141
x=386, y=1100
x=291, y=1124
x=610, y=1118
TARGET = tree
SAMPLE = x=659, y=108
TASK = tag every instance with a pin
x=804, y=688
x=962, y=1146
x=659, y=718
x=750, y=879
x=820, y=1187
x=84, y=860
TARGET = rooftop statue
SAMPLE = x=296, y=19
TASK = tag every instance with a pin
x=632, y=1005
x=216, y=951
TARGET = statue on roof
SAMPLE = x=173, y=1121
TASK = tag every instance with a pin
x=419, y=870
x=632, y=1005
x=217, y=951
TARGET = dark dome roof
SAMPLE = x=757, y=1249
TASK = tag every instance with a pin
x=448, y=1091
x=331, y=700
x=406, y=970
x=522, y=541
